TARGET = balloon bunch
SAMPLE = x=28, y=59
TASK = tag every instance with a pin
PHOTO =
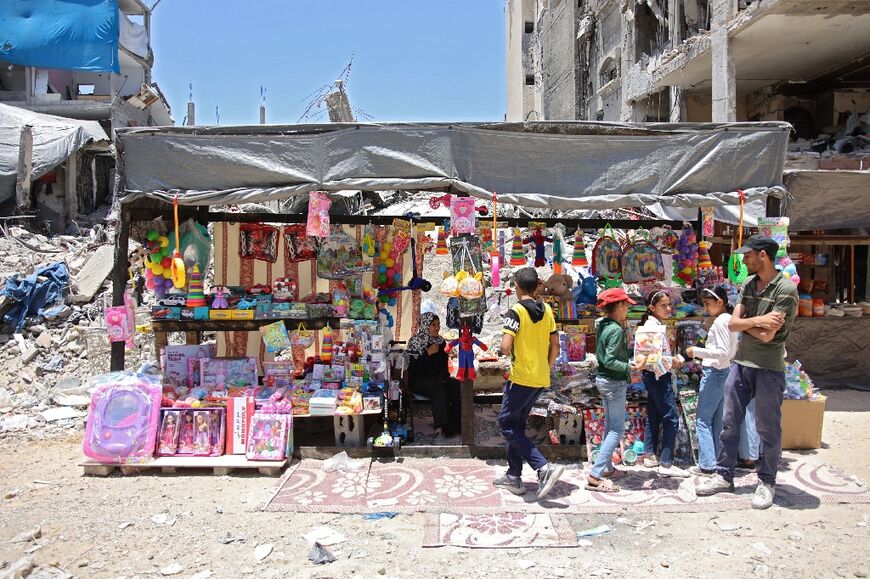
x=389, y=273
x=158, y=265
x=786, y=265
x=687, y=256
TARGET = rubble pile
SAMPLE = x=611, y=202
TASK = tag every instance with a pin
x=45, y=363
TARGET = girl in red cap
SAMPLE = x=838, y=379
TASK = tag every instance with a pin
x=611, y=350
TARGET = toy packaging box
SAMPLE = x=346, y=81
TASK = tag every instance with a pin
x=222, y=373
x=267, y=436
x=174, y=362
x=239, y=412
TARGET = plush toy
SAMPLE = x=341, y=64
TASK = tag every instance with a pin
x=537, y=238
x=586, y=292
x=559, y=286
x=466, y=353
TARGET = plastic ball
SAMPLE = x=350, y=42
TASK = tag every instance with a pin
x=390, y=262
x=166, y=262
x=163, y=240
x=383, y=255
x=387, y=246
x=149, y=282
x=167, y=273
x=397, y=277
x=164, y=251
x=392, y=301
x=692, y=238
x=157, y=269
x=382, y=268
x=382, y=279
x=160, y=291
x=155, y=258
x=152, y=235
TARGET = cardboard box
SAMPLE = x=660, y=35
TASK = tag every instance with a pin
x=220, y=315
x=802, y=423
x=239, y=412
x=174, y=362
x=242, y=314
x=165, y=313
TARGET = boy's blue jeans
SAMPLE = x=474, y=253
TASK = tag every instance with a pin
x=613, y=399
x=516, y=404
x=708, y=422
x=661, y=415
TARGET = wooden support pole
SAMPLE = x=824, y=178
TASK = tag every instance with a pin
x=71, y=188
x=852, y=274
x=25, y=168
x=119, y=280
x=466, y=398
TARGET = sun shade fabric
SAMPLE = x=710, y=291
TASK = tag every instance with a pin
x=71, y=35
x=571, y=165
x=827, y=199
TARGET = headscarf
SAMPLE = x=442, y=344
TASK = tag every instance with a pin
x=420, y=342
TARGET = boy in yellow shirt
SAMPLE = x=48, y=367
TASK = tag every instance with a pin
x=531, y=339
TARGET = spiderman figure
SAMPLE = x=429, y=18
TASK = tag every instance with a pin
x=537, y=238
x=466, y=353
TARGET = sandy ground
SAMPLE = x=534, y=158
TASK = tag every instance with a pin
x=104, y=527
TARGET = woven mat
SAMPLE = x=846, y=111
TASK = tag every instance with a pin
x=464, y=486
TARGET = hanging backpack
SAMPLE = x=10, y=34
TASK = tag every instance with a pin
x=642, y=261
x=607, y=255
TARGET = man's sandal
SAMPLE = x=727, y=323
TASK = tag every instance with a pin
x=614, y=474
x=602, y=486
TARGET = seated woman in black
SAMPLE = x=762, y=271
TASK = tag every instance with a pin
x=429, y=377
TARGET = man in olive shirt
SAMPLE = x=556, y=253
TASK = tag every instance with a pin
x=763, y=315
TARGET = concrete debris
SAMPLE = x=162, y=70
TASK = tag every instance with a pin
x=172, y=569
x=27, y=536
x=262, y=551
x=93, y=274
x=20, y=568
x=71, y=399
x=62, y=413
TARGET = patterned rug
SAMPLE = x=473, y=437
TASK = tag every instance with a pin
x=486, y=431
x=464, y=486
x=498, y=531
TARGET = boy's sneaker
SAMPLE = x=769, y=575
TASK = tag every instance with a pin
x=672, y=471
x=712, y=485
x=547, y=478
x=698, y=471
x=763, y=497
x=513, y=484
x=650, y=461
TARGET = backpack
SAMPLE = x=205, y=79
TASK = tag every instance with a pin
x=642, y=261
x=607, y=255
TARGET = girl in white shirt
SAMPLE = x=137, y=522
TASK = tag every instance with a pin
x=716, y=358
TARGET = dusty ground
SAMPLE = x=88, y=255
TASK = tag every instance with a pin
x=103, y=527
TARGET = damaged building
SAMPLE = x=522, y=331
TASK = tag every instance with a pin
x=51, y=68
x=803, y=62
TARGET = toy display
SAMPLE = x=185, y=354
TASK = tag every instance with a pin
x=258, y=241
x=122, y=419
x=167, y=442
x=518, y=254
x=441, y=246
x=578, y=256
x=267, y=436
x=318, y=215
x=275, y=337
x=466, y=342
x=777, y=229
x=220, y=373
x=537, y=239
x=642, y=261
x=607, y=256
x=704, y=261
x=558, y=247
x=195, y=295
x=559, y=287
x=462, y=216
x=630, y=447
x=686, y=260
x=340, y=256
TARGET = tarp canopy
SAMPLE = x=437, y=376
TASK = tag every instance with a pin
x=80, y=35
x=828, y=199
x=561, y=165
x=54, y=140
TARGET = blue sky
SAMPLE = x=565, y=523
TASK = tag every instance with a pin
x=413, y=61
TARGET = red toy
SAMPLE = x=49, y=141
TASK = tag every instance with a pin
x=466, y=353
x=537, y=239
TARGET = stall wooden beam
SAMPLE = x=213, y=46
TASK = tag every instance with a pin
x=119, y=281
x=466, y=398
x=191, y=327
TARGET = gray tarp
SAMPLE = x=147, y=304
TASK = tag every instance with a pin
x=828, y=199
x=568, y=165
x=54, y=140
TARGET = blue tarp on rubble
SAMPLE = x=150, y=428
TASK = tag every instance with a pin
x=36, y=294
x=71, y=35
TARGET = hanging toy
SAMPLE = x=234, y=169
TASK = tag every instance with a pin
x=179, y=277
x=538, y=239
x=687, y=256
x=786, y=265
x=518, y=254
x=470, y=286
x=466, y=343
x=737, y=270
x=441, y=246
x=494, y=255
x=704, y=261
x=578, y=258
x=501, y=243
x=558, y=245
x=450, y=286
x=368, y=241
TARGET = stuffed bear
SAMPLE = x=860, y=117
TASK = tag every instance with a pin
x=559, y=286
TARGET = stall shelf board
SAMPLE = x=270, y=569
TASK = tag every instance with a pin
x=220, y=465
x=363, y=413
x=433, y=451
x=238, y=325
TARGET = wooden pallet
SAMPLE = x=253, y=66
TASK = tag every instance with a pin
x=220, y=465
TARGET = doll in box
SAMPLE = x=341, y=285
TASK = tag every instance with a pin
x=187, y=434
x=201, y=443
x=216, y=432
x=168, y=440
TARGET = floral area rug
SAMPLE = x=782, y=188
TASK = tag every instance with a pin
x=464, y=486
x=498, y=531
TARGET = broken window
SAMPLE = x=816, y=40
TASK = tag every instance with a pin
x=85, y=89
x=530, y=80
x=530, y=27
x=803, y=122
x=609, y=71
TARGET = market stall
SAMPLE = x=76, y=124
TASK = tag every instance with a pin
x=369, y=268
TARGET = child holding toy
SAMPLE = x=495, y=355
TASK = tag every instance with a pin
x=662, y=420
x=611, y=350
x=716, y=359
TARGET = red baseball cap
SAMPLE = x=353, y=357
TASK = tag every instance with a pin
x=613, y=296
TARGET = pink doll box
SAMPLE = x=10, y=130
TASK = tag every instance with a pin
x=201, y=433
x=221, y=373
x=122, y=420
x=267, y=437
x=187, y=432
x=167, y=441
x=217, y=431
x=175, y=365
